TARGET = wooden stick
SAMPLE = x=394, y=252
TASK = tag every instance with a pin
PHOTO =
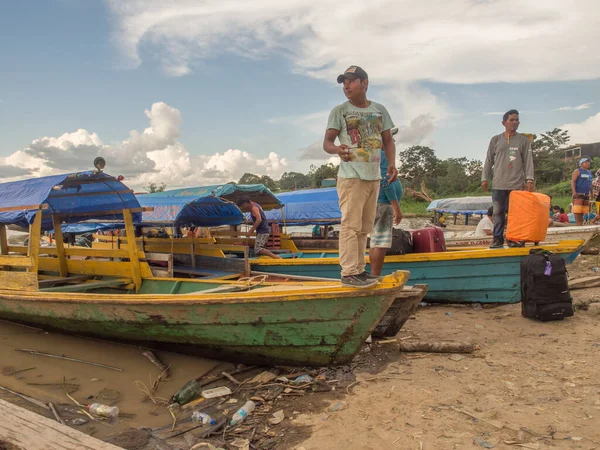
x=438, y=347
x=56, y=416
x=29, y=399
x=230, y=378
x=164, y=370
x=49, y=355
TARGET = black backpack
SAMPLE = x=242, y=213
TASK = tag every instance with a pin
x=402, y=242
x=545, y=287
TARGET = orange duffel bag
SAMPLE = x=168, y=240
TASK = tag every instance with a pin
x=528, y=215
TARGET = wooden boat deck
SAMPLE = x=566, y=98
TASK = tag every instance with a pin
x=21, y=429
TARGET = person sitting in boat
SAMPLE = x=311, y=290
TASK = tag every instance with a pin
x=330, y=232
x=556, y=213
x=260, y=226
x=581, y=185
x=485, y=227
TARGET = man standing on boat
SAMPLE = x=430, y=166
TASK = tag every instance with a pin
x=510, y=160
x=387, y=215
x=363, y=129
x=261, y=226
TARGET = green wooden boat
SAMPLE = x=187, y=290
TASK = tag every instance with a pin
x=113, y=294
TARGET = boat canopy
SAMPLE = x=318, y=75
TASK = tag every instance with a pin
x=462, y=205
x=196, y=211
x=258, y=193
x=308, y=207
x=73, y=197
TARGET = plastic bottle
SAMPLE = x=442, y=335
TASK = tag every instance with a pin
x=187, y=393
x=203, y=418
x=242, y=413
x=103, y=410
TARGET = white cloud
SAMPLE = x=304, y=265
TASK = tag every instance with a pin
x=153, y=155
x=585, y=132
x=457, y=41
x=574, y=108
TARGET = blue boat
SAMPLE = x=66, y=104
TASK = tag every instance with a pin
x=466, y=276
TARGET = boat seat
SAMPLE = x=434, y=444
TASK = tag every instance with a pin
x=82, y=287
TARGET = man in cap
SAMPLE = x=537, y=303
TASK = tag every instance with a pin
x=363, y=129
x=581, y=185
x=510, y=159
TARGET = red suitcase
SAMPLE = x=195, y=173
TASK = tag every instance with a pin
x=429, y=240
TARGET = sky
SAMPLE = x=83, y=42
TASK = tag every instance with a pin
x=198, y=92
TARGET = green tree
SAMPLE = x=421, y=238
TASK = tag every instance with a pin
x=318, y=174
x=153, y=187
x=249, y=178
x=548, y=150
x=268, y=182
x=419, y=163
x=294, y=180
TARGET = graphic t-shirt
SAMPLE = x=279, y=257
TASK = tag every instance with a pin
x=360, y=129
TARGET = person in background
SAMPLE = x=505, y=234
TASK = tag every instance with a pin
x=581, y=185
x=363, y=128
x=316, y=231
x=556, y=213
x=260, y=226
x=510, y=160
x=388, y=214
x=562, y=217
x=442, y=220
x=330, y=232
x=485, y=227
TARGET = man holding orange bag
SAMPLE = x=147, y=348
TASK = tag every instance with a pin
x=509, y=163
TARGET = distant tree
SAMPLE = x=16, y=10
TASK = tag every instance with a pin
x=249, y=178
x=153, y=187
x=419, y=163
x=294, y=180
x=318, y=174
x=268, y=182
x=549, y=164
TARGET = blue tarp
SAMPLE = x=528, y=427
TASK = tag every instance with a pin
x=258, y=193
x=462, y=205
x=75, y=196
x=89, y=227
x=196, y=211
x=308, y=207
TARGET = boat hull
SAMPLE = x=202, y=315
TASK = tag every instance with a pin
x=316, y=326
x=474, y=276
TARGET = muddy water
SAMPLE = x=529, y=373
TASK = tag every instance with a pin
x=43, y=380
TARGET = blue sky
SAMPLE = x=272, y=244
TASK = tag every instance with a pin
x=227, y=87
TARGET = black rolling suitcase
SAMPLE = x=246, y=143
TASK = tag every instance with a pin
x=545, y=287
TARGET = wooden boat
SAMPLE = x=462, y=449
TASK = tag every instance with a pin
x=113, y=294
x=590, y=234
x=476, y=275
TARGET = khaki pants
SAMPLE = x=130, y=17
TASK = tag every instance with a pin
x=358, y=203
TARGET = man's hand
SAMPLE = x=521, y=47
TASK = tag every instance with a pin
x=392, y=173
x=529, y=186
x=344, y=152
x=484, y=185
x=397, y=215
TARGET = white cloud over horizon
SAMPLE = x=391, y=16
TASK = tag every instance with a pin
x=586, y=132
x=153, y=155
x=574, y=108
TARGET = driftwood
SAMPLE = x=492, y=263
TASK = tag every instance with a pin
x=585, y=282
x=164, y=370
x=438, y=347
x=422, y=195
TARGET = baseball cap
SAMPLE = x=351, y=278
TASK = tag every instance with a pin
x=582, y=160
x=351, y=73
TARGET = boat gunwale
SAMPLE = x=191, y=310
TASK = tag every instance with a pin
x=383, y=290
x=561, y=247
